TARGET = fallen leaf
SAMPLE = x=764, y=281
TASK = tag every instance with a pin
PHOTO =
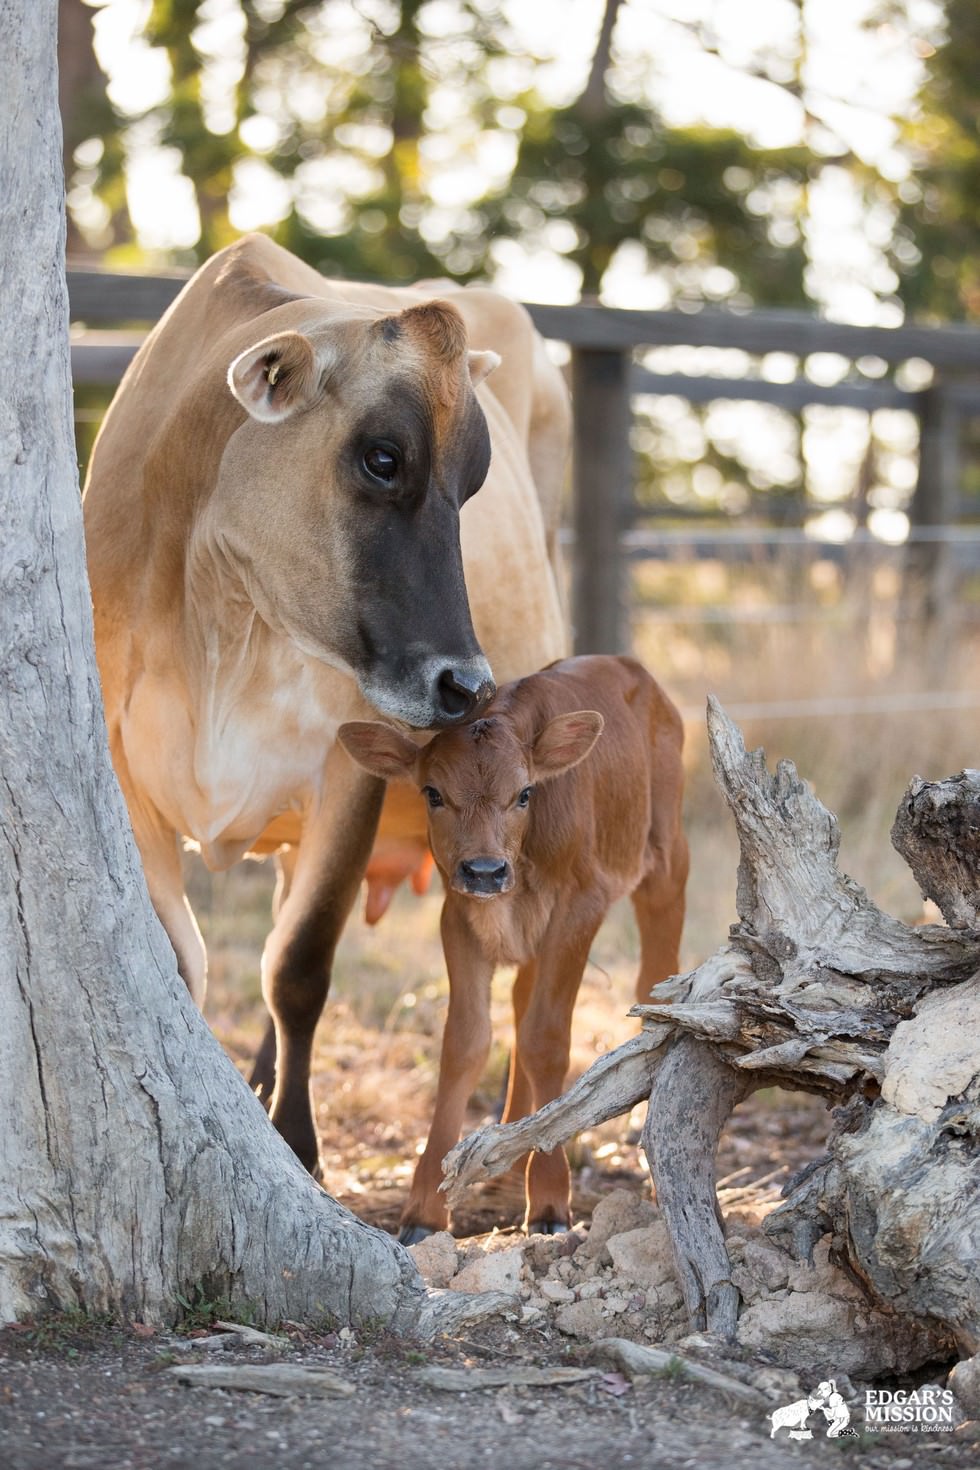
x=615, y=1383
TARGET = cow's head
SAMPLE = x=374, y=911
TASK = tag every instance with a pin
x=340, y=498
x=479, y=784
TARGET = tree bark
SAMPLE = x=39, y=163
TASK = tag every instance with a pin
x=135, y=1165
x=937, y=832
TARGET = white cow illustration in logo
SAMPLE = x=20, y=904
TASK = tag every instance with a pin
x=825, y=1398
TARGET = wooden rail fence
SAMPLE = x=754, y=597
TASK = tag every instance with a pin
x=110, y=312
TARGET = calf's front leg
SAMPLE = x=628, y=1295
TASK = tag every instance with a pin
x=544, y=1039
x=465, y=1047
x=298, y=956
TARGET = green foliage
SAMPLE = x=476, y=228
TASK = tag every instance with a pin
x=618, y=174
x=67, y=1332
x=200, y=1308
x=937, y=244
x=348, y=107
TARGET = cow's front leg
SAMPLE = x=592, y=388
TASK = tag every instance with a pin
x=160, y=853
x=465, y=1047
x=298, y=955
x=263, y=1077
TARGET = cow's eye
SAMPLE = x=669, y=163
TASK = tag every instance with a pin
x=525, y=796
x=380, y=463
x=432, y=797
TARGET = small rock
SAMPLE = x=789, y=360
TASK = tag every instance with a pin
x=969, y=1431
x=748, y=1287
x=583, y=1319
x=643, y=1256
x=499, y=1271
x=617, y=1212
x=823, y=1277
x=531, y=1314
x=701, y=1342
x=542, y=1251
x=964, y=1381
x=613, y=1305
x=782, y=1386
x=435, y=1258
x=769, y=1266
x=588, y=1289
x=555, y=1291
x=669, y=1296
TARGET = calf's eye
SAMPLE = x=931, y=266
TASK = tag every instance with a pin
x=432, y=797
x=525, y=796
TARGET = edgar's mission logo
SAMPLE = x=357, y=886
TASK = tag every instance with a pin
x=824, y=1399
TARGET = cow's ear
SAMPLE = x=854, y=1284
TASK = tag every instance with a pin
x=277, y=377
x=564, y=741
x=381, y=750
x=481, y=365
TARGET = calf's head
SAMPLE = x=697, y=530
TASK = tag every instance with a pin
x=479, y=783
x=338, y=498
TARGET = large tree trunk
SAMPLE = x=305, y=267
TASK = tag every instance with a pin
x=817, y=990
x=135, y=1165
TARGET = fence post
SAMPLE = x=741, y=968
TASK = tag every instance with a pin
x=935, y=502
x=602, y=496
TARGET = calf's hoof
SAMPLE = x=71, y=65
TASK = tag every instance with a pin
x=412, y=1234
x=546, y=1227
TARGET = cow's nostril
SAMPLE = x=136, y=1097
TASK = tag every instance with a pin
x=462, y=692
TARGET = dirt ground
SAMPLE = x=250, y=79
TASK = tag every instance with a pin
x=103, y=1399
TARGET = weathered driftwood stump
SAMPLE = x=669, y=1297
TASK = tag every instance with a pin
x=817, y=989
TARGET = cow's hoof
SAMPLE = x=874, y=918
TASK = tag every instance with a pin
x=412, y=1234
x=547, y=1227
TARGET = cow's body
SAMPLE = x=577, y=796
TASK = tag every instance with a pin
x=273, y=530
x=563, y=798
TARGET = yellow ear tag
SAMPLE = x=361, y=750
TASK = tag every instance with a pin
x=272, y=374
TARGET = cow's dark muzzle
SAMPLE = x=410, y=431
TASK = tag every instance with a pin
x=461, y=694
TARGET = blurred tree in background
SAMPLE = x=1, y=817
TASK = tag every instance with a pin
x=937, y=244
x=365, y=116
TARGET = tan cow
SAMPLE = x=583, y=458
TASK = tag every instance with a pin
x=276, y=546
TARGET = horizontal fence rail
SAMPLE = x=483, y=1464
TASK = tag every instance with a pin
x=605, y=381
x=843, y=706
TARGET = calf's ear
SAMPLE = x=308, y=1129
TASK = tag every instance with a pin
x=381, y=750
x=564, y=741
x=277, y=377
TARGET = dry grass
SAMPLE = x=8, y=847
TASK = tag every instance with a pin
x=377, y=1048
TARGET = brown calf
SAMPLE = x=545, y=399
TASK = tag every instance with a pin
x=535, y=842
